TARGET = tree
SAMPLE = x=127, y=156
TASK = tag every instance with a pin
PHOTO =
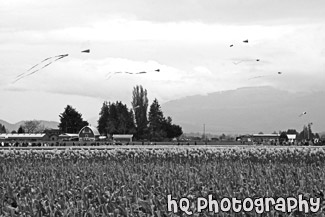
x=156, y=122
x=172, y=130
x=103, y=119
x=2, y=129
x=112, y=120
x=71, y=121
x=125, y=119
x=21, y=129
x=310, y=134
x=32, y=126
x=283, y=137
x=116, y=118
x=140, y=107
x=292, y=131
x=306, y=133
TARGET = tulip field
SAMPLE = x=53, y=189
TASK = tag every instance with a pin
x=136, y=182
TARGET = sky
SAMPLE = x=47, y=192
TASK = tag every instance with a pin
x=188, y=40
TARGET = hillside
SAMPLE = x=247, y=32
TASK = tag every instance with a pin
x=47, y=124
x=247, y=110
x=244, y=110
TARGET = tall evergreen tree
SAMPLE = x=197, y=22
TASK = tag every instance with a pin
x=103, y=119
x=130, y=122
x=71, y=121
x=21, y=129
x=140, y=107
x=3, y=129
x=306, y=133
x=112, y=122
x=156, y=122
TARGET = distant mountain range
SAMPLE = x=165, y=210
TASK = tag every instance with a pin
x=248, y=110
x=240, y=111
x=47, y=124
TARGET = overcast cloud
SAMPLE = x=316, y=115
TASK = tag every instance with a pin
x=188, y=40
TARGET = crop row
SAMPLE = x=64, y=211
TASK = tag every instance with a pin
x=194, y=155
x=136, y=182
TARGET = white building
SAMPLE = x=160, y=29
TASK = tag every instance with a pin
x=291, y=137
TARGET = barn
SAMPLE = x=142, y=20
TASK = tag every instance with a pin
x=89, y=133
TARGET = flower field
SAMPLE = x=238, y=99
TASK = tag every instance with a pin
x=136, y=182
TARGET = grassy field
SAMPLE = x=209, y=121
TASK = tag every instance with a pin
x=135, y=181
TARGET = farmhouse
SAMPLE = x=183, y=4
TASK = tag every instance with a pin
x=88, y=133
x=52, y=134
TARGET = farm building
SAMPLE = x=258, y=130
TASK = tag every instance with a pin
x=52, y=134
x=89, y=133
x=22, y=136
x=244, y=138
x=291, y=137
x=68, y=136
x=122, y=137
x=265, y=137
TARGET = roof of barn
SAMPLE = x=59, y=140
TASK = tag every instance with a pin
x=93, y=129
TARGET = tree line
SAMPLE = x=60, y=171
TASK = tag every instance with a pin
x=31, y=126
x=117, y=118
x=143, y=121
x=305, y=134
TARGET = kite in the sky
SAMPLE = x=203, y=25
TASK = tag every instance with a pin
x=247, y=60
x=302, y=114
x=44, y=63
x=261, y=76
x=110, y=74
x=245, y=41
